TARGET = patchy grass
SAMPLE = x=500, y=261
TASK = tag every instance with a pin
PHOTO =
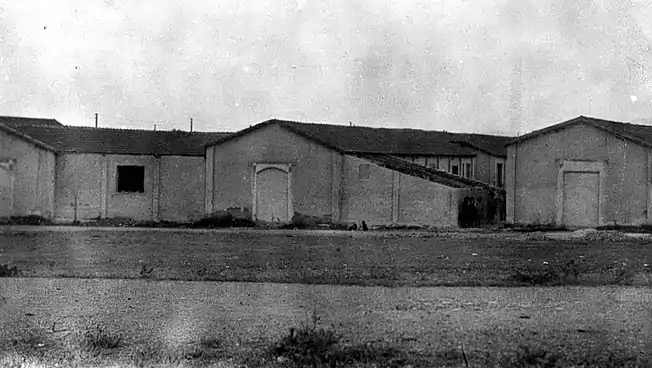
x=310, y=345
x=533, y=356
x=205, y=324
x=424, y=260
x=98, y=340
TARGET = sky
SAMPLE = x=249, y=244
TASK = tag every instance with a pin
x=425, y=64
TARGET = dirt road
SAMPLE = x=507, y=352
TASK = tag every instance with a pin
x=484, y=319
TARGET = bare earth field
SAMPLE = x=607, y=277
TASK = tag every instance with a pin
x=421, y=259
x=172, y=314
x=65, y=292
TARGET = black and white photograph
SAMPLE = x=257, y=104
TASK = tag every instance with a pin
x=314, y=183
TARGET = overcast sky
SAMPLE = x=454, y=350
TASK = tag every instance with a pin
x=444, y=65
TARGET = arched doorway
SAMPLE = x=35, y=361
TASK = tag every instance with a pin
x=272, y=193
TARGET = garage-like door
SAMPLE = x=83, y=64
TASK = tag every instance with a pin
x=581, y=199
x=272, y=195
x=6, y=192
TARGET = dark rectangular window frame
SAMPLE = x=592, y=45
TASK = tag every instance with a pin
x=467, y=173
x=499, y=174
x=135, y=187
x=455, y=169
x=364, y=174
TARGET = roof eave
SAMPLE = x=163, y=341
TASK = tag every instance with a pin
x=578, y=120
x=312, y=138
x=28, y=138
x=474, y=146
x=239, y=133
x=358, y=152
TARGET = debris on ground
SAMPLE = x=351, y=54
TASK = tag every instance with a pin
x=601, y=235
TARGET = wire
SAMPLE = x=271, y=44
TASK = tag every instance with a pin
x=161, y=123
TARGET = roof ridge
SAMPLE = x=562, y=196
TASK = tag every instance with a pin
x=85, y=127
x=612, y=121
x=386, y=128
x=24, y=117
x=604, y=124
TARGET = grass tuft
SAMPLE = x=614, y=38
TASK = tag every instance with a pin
x=308, y=345
x=98, y=340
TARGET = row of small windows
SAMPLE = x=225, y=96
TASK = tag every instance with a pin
x=364, y=171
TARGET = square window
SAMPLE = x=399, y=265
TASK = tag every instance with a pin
x=131, y=179
x=364, y=171
x=455, y=169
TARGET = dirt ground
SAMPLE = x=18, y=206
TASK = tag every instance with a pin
x=326, y=257
x=173, y=313
x=74, y=279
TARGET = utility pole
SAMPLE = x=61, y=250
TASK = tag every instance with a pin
x=191, y=124
x=96, y=119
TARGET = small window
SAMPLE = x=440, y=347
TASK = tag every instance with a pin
x=131, y=179
x=364, y=171
x=499, y=175
x=455, y=169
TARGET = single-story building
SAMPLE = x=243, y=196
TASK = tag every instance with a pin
x=584, y=172
x=93, y=173
x=26, y=175
x=475, y=156
x=277, y=169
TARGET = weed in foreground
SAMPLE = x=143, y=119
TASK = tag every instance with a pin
x=309, y=345
x=146, y=357
x=314, y=346
x=98, y=339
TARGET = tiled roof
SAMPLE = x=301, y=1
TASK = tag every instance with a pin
x=437, y=176
x=357, y=139
x=400, y=141
x=17, y=122
x=9, y=130
x=117, y=141
x=641, y=134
